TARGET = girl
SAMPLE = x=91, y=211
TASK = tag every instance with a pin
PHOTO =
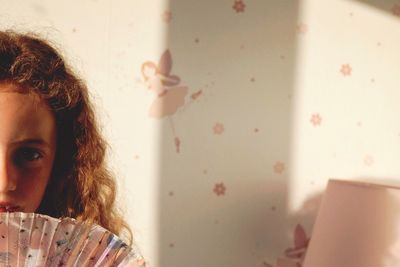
x=51, y=151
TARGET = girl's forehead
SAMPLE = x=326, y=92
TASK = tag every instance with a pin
x=12, y=101
x=16, y=91
x=23, y=115
x=6, y=86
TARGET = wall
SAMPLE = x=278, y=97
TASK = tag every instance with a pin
x=227, y=118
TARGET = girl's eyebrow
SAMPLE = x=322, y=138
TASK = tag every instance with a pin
x=32, y=141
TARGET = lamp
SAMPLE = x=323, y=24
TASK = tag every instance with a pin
x=358, y=225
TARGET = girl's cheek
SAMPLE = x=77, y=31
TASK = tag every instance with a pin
x=29, y=174
x=33, y=178
x=33, y=168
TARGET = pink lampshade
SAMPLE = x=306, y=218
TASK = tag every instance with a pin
x=358, y=225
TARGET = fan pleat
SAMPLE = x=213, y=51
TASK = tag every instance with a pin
x=89, y=248
x=37, y=240
x=60, y=241
x=24, y=236
x=108, y=254
x=73, y=245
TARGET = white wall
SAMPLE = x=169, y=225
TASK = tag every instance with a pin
x=251, y=162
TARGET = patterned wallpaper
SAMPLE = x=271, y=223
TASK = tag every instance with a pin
x=227, y=118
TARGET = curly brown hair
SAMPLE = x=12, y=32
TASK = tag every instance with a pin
x=80, y=185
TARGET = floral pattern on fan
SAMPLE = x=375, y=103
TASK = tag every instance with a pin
x=32, y=239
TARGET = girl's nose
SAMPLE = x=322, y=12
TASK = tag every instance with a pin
x=7, y=175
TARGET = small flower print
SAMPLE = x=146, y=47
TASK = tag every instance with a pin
x=166, y=16
x=219, y=189
x=239, y=6
x=218, y=128
x=301, y=28
x=279, y=167
x=396, y=10
x=368, y=160
x=315, y=119
x=346, y=70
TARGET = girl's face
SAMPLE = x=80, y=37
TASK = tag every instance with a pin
x=27, y=149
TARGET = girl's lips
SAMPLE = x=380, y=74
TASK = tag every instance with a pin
x=9, y=209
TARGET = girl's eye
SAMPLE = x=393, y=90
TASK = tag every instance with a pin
x=28, y=154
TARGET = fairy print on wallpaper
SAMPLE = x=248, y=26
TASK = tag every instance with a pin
x=295, y=255
x=169, y=93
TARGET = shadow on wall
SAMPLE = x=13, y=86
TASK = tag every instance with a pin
x=224, y=96
x=224, y=90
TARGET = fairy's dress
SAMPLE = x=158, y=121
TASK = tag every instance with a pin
x=168, y=102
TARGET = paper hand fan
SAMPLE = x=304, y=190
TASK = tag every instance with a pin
x=32, y=239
